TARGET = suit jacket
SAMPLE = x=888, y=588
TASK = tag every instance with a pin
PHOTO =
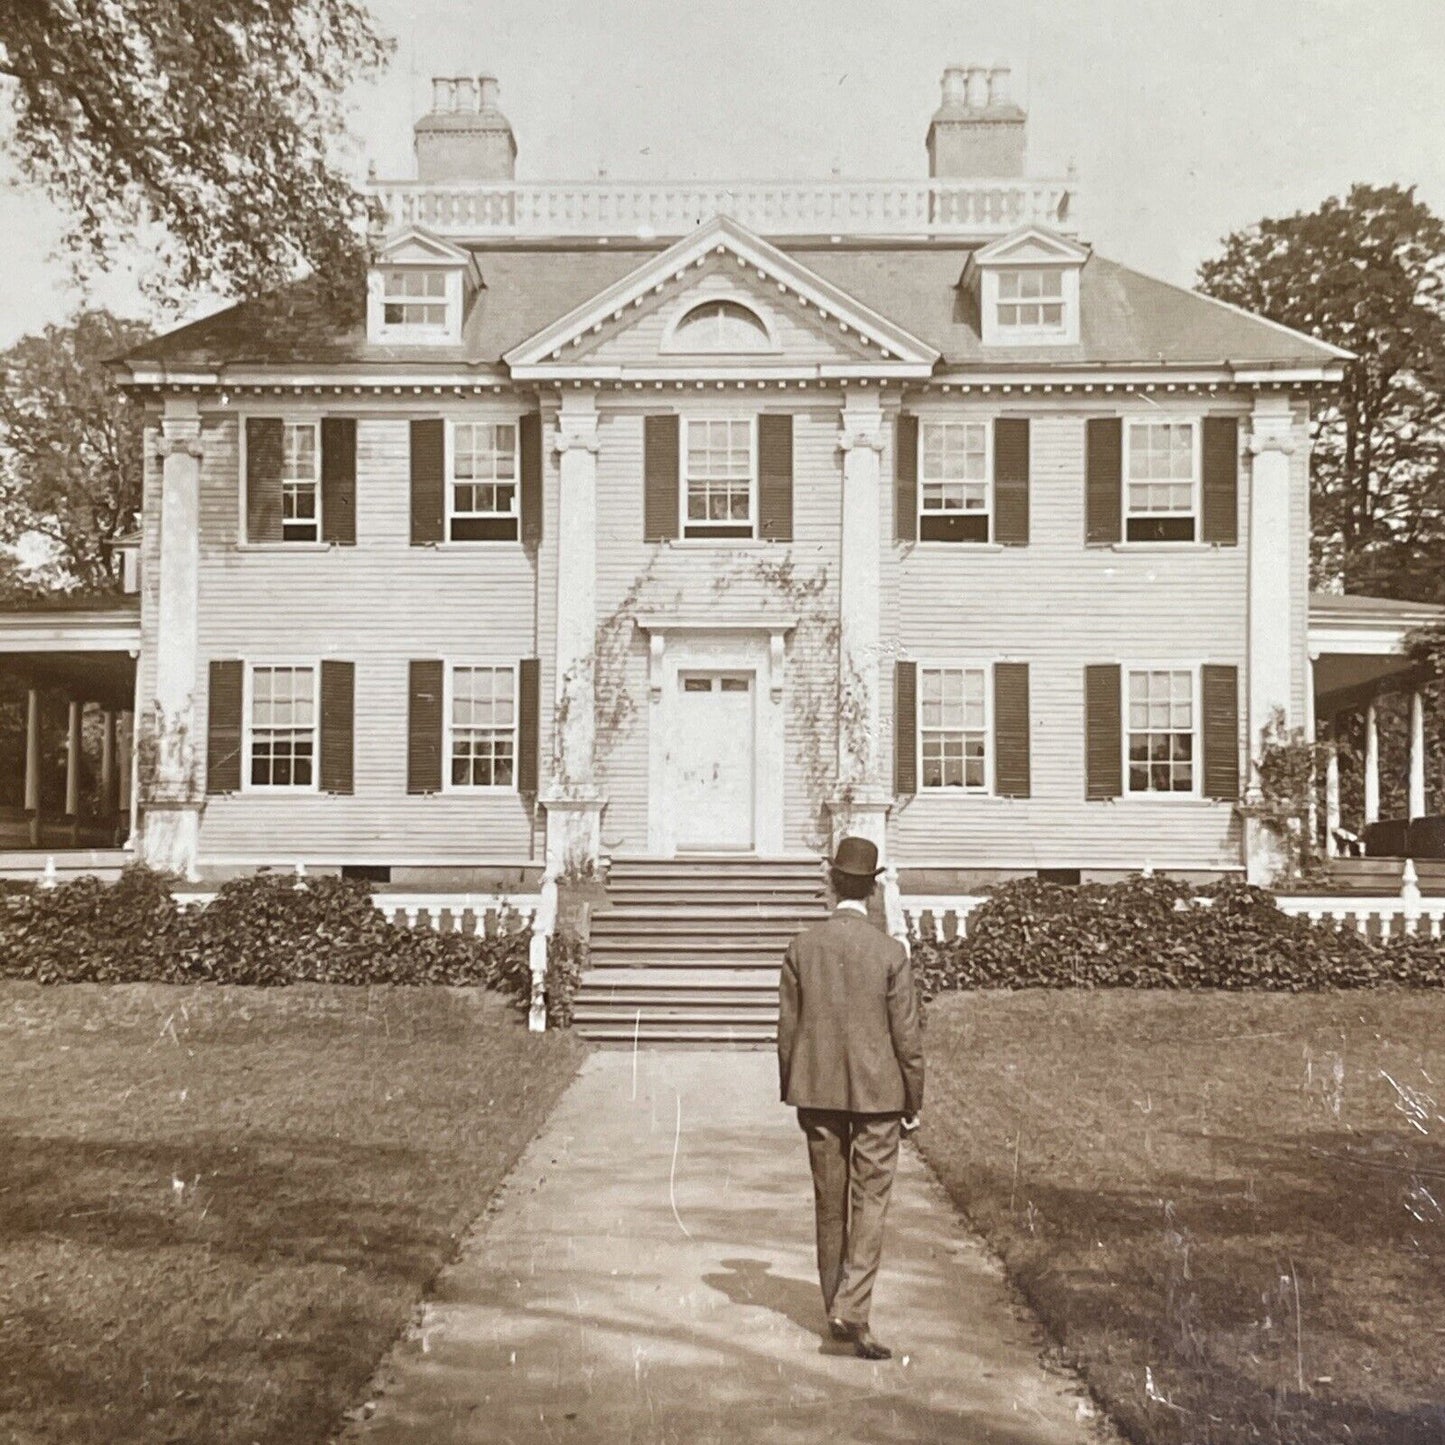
x=848, y=1029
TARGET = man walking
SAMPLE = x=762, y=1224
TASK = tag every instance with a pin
x=850, y=1060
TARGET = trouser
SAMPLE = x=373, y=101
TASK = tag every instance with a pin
x=853, y=1158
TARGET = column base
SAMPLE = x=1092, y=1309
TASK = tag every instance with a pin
x=574, y=832
x=170, y=836
x=864, y=814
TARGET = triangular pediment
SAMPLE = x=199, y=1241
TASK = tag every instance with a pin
x=418, y=247
x=1031, y=246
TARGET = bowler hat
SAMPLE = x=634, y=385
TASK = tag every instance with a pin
x=857, y=857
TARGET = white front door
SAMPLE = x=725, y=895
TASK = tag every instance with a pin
x=712, y=761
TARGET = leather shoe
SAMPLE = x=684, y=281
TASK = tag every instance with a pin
x=839, y=1329
x=865, y=1346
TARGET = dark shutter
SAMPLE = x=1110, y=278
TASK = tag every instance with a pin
x=660, y=462
x=1104, y=480
x=1220, y=466
x=424, y=726
x=905, y=479
x=775, y=477
x=338, y=479
x=428, y=467
x=905, y=728
x=529, y=471
x=1011, y=481
x=1104, y=741
x=338, y=726
x=264, y=447
x=1011, y=729
x=1219, y=687
x=225, y=690
x=529, y=720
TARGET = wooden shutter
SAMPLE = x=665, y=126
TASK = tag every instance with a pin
x=529, y=719
x=905, y=480
x=1104, y=740
x=338, y=726
x=225, y=691
x=264, y=447
x=428, y=481
x=425, y=685
x=338, y=480
x=1104, y=480
x=775, y=477
x=529, y=472
x=1219, y=689
x=1011, y=729
x=1011, y=481
x=1220, y=481
x=660, y=477
x=905, y=728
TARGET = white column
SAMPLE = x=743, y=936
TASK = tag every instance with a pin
x=72, y=760
x=107, y=763
x=861, y=803
x=572, y=801
x=1417, y=754
x=125, y=747
x=32, y=762
x=1332, y=789
x=1271, y=574
x=1372, y=765
x=1312, y=810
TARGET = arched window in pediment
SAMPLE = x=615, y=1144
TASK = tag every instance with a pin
x=724, y=326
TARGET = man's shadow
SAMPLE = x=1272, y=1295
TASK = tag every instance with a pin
x=749, y=1282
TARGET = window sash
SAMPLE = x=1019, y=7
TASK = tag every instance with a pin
x=955, y=467
x=1162, y=756
x=1161, y=478
x=720, y=326
x=1031, y=299
x=481, y=724
x=954, y=729
x=282, y=718
x=483, y=479
x=301, y=482
x=414, y=298
x=719, y=477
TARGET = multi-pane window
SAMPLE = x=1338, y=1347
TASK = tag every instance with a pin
x=300, y=482
x=720, y=326
x=484, y=482
x=953, y=491
x=953, y=727
x=1031, y=299
x=1160, y=472
x=283, y=727
x=414, y=298
x=1161, y=731
x=483, y=727
x=718, y=478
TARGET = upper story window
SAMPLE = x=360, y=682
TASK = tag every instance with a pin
x=720, y=326
x=954, y=495
x=300, y=482
x=1159, y=742
x=414, y=298
x=953, y=728
x=1031, y=300
x=1161, y=481
x=482, y=741
x=718, y=477
x=482, y=489
x=282, y=728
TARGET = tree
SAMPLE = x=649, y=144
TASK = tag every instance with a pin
x=70, y=449
x=1366, y=273
x=214, y=120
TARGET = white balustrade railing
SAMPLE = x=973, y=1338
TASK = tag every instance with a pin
x=939, y=917
x=964, y=209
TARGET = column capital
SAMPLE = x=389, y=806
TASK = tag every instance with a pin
x=185, y=445
x=576, y=423
x=1271, y=427
x=861, y=432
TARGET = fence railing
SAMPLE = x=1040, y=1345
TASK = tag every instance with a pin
x=441, y=912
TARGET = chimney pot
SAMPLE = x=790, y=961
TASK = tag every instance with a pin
x=440, y=94
x=978, y=131
x=998, y=85
x=465, y=137
x=489, y=91
x=955, y=85
x=977, y=87
x=466, y=95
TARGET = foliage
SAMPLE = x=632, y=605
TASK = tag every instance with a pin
x=1366, y=273
x=215, y=121
x=566, y=961
x=70, y=449
x=1151, y=933
x=1289, y=767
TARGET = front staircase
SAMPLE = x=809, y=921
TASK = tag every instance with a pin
x=686, y=950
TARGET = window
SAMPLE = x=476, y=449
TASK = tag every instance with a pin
x=718, y=478
x=483, y=489
x=300, y=483
x=1160, y=738
x=1031, y=300
x=283, y=727
x=414, y=298
x=483, y=741
x=720, y=326
x=953, y=492
x=1161, y=471
x=953, y=727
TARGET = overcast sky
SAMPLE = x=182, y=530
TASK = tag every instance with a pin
x=1185, y=118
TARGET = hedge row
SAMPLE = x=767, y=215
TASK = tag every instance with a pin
x=261, y=930
x=1152, y=933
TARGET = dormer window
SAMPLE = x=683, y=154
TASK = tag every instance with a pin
x=1028, y=289
x=1031, y=300
x=720, y=326
x=414, y=298
x=418, y=289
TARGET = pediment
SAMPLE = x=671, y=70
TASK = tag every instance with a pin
x=417, y=247
x=1031, y=246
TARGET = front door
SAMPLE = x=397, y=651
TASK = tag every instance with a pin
x=712, y=762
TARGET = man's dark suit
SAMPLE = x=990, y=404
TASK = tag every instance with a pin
x=850, y=1060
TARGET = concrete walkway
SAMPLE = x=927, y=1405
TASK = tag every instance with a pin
x=642, y=1279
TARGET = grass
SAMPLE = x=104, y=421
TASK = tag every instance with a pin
x=219, y=1206
x=1226, y=1207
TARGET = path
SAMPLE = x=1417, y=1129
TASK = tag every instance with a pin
x=583, y=1309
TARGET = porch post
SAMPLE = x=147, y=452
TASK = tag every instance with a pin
x=125, y=746
x=1332, y=789
x=1372, y=764
x=1417, y=754
x=107, y=762
x=1312, y=810
x=72, y=762
x=32, y=763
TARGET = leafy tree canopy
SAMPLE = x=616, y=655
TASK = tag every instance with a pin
x=215, y=120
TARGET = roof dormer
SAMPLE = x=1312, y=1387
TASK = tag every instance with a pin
x=418, y=289
x=1028, y=289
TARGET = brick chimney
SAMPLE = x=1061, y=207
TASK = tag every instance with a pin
x=978, y=131
x=465, y=137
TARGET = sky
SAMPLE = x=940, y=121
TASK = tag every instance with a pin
x=1185, y=119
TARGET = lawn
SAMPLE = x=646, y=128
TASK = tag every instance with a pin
x=218, y=1206
x=1227, y=1207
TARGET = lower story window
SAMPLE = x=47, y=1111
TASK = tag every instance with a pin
x=283, y=727
x=953, y=727
x=1161, y=731
x=483, y=731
